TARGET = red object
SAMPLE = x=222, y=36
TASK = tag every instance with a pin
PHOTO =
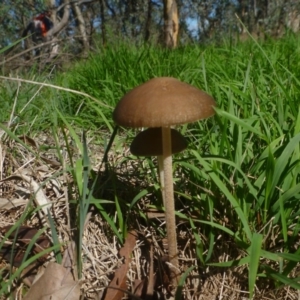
x=43, y=22
x=42, y=16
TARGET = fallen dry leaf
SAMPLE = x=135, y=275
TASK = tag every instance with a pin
x=68, y=261
x=7, y=204
x=28, y=141
x=117, y=287
x=51, y=162
x=40, y=198
x=56, y=283
x=128, y=247
x=18, y=240
x=151, y=279
x=138, y=287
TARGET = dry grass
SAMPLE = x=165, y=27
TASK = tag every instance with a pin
x=100, y=245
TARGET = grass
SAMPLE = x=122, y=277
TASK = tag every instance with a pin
x=237, y=186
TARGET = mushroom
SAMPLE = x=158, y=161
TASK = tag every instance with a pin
x=149, y=143
x=165, y=102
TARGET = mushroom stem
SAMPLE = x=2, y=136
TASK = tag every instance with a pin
x=160, y=162
x=169, y=204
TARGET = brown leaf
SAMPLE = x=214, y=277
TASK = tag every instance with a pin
x=151, y=279
x=56, y=283
x=19, y=239
x=117, y=287
x=69, y=260
x=138, y=287
x=40, y=198
x=51, y=162
x=7, y=204
x=28, y=141
x=128, y=246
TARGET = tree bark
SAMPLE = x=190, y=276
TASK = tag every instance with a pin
x=171, y=23
x=82, y=28
x=50, y=4
x=103, y=28
x=58, y=26
x=148, y=21
x=64, y=21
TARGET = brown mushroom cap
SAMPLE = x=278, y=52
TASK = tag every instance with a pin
x=162, y=102
x=149, y=142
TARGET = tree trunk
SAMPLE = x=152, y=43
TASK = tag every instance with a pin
x=50, y=4
x=171, y=21
x=63, y=22
x=82, y=28
x=148, y=21
x=58, y=26
x=103, y=28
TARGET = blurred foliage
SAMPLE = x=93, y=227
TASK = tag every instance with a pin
x=138, y=21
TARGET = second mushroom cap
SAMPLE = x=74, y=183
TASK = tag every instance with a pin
x=149, y=142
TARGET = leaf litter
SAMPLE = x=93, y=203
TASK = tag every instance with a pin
x=136, y=270
x=118, y=286
x=56, y=282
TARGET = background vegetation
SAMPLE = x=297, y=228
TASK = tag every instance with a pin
x=237, y=185
x=84, y=26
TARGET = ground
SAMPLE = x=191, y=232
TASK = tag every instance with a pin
x=32, y=172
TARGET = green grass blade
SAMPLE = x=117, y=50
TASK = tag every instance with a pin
x=254, y=254
x=5, y=285
x=110, y=221
x=283, y=160
x=199, y=243
x=137, y=198
x=55, y=239
x=248, y=126
x=72, y=131
x=179, y=290
x=226, y=192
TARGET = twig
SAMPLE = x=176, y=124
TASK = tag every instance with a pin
x=41, y=45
